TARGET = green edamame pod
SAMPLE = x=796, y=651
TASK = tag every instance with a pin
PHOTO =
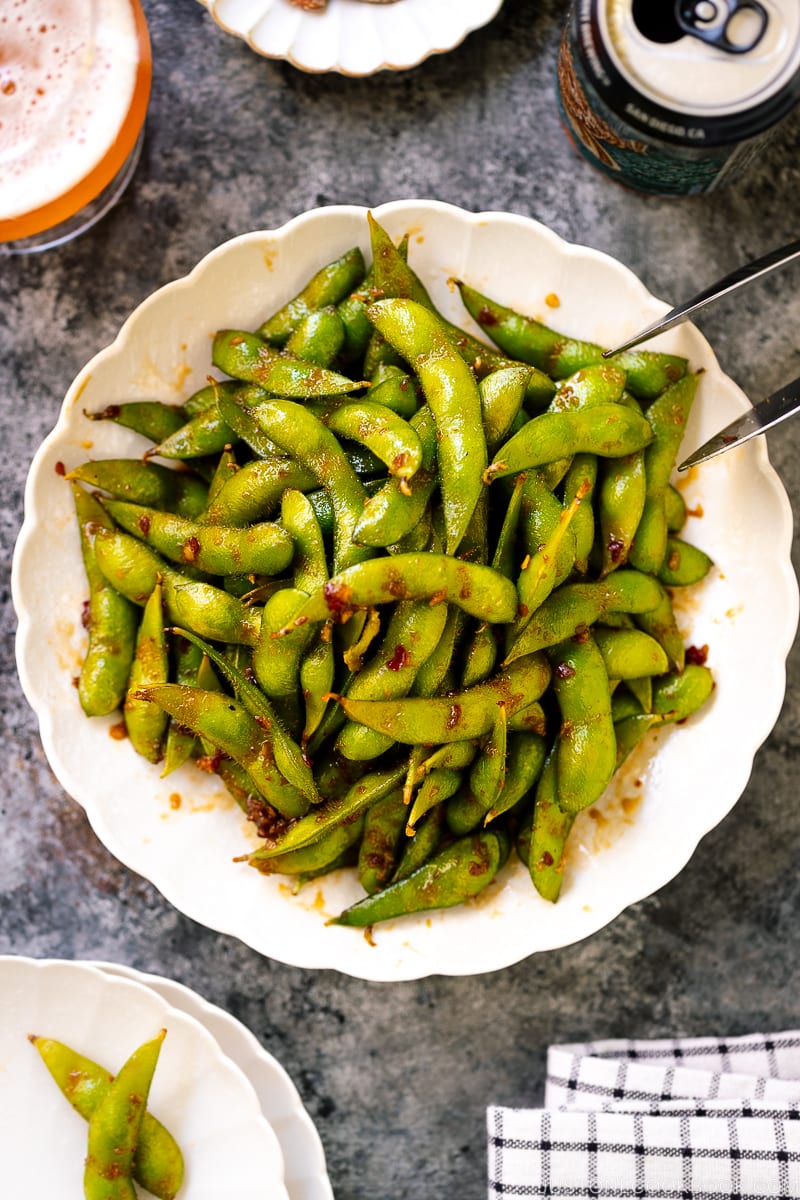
x=115, y=1126
x=576, y=606
x=683, y=564
x=393, y=277
x=111, y=620
x=680, y=695
x=228, y=725
x=382, y=431
x=588, y=387
x=436, y=788
x=150, y=418
x=667, y=416
x=276, y=659
x=505, y=548
x=525, y=757
x=548, y=837
x=411, y=637
x=416, y=850
x=380, y=842
x=309, y=565
x=396, y=390
x=263, y=549
x=180, y=743
x=327, y=286
x=316, y=858
x=579, y=483
x=300, y=434
x=133, y=569
x=452, y=396
x=157, y=1162
x=365, y=792
x=585, y=747
x=547, y=566
x=525, y=760
x=622, y=494
x=205, y=433
x=391, y=513
x=318, y=337
x=145, y=483
x=255, y=490
x=434, y=671
x=607, y=430
x=676, y=509
x=288, y=756
x=146, y=723
x=456, y=717
x=247, y=357
x=459, y=872
x=477, y=589
x=488, y=775
x=648, y=372
x=630, y=653
x=480, y=656
x=502, y=393
x=675, y=697
x=661, y=624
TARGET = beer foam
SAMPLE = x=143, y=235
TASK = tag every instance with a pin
x=67, y=77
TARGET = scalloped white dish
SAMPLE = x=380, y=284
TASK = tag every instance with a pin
x=201, y=1095
x=183, y=833
x=351, y=36
x=305, y=1174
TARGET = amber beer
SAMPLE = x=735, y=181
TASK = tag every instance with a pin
x=676, y=97
x=74, y=88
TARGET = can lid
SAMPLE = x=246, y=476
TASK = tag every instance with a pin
x=695, y=76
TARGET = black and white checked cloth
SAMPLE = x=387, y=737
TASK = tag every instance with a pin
x=677, y=1119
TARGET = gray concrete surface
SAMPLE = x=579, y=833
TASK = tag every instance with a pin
x=397, y=1077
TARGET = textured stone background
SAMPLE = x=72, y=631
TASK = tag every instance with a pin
x=397, y=1077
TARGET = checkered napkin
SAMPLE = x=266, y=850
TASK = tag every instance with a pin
x=678, y=1119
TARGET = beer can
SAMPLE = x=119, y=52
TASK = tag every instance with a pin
x=677, y=97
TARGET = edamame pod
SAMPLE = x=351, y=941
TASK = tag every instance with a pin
x=585, y=748
x=111, y=620
x=461, y=871
x=648, y=372
x=262, y=549
x=453, y=397
x=608, y=430
x=145, y=483
x=146, y=724
x=115, y=1126
x=456, y=717
x=479, y=590
x=329, y=285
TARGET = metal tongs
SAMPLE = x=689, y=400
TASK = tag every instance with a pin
x=766, y=413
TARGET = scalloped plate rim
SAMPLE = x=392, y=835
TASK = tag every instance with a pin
x=492, y=9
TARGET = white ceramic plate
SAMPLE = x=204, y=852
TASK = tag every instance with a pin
x=183, y=833
x=202, y=1097
x=350, y=36
x=305, y=1175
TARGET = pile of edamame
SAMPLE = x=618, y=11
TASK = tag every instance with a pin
x=408, y=592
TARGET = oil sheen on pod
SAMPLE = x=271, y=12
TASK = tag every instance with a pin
x=676, y=98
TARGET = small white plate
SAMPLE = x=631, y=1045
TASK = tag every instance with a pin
x=350, y=36
x=183, y=833
x=204, y=1099
x=305, y=1174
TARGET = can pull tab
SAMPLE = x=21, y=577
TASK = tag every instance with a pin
x=736, y=26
